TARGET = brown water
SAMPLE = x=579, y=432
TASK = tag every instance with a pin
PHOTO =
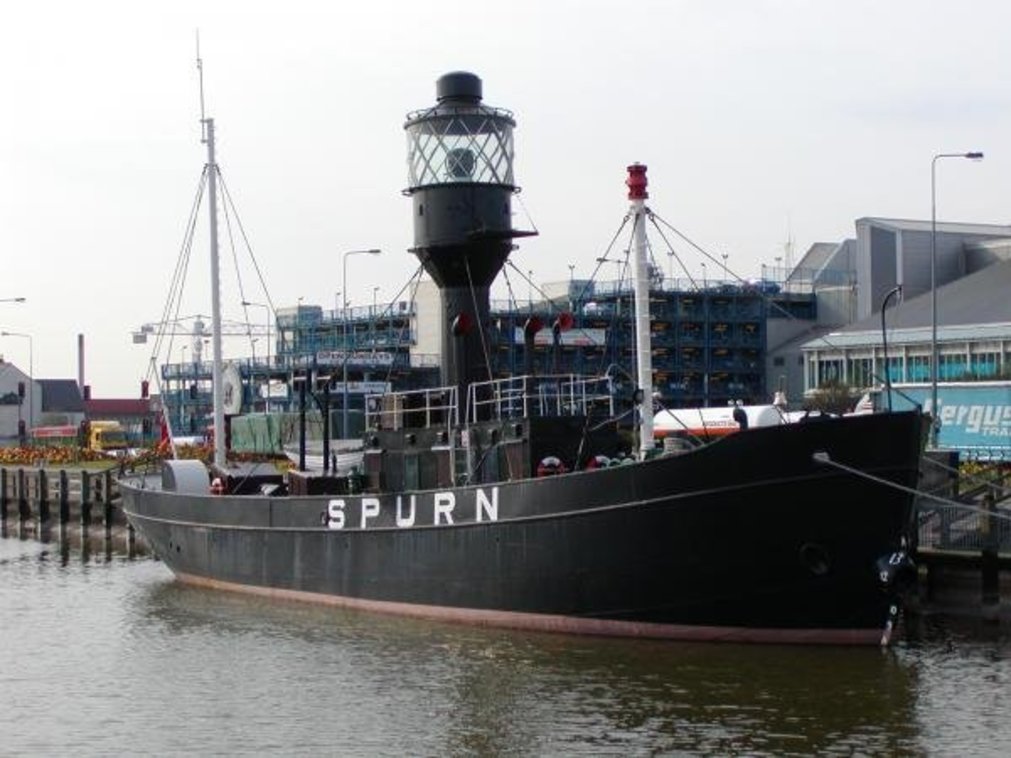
x=105, y=654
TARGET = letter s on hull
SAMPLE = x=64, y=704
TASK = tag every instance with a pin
x=335, y=514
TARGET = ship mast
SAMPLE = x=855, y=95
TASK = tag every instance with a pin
x=212, y=207
x=640, y=271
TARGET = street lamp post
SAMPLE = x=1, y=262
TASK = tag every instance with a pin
x=12, y=299
x=31, y=374
x=935, y=416
x=344, y=316
x=266, y=308
x=182, y=387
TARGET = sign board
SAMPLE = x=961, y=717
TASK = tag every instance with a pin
x=975, y=416
x=367, y=388
x=357, y=357
x=274, y=391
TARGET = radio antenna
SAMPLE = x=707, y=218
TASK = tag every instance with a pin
x=200, y=73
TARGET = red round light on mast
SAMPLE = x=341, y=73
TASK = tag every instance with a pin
x=637, y=182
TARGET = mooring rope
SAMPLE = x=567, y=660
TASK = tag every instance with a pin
x=823, y=457
x=971, y=478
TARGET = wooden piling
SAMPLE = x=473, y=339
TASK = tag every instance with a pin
x=85, y=498
x=990, y=565
x=3, y=494
x=24, y=512
x=107, y=499
x=64, y=497
x=42, y=495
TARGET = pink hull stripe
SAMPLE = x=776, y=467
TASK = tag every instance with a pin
x=543, y=622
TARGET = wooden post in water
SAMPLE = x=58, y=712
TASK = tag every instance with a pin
x=3, y=494
x=24, y=512
x=107, y=499
x=64, y=497
x=989, y=563
x=85, y=498
x=42, y=495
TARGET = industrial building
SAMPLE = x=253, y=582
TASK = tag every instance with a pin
x=713, y=342
x=708, y=344
x=973, y=324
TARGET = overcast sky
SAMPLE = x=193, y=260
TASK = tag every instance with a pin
x=760, y=121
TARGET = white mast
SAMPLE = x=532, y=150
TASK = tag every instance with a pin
x=212, y=207
x=640, y=271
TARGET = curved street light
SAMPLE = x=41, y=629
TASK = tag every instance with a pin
x=12, y=299
x=344, y=318
x=935, y=426
x=266, y=308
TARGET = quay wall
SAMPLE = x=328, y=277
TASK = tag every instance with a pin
x=60, y=495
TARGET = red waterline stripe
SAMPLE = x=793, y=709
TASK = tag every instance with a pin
x=543, y=622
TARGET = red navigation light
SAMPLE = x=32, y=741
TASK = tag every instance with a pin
x=462, y=324
x=532, y=325
x=637, y=182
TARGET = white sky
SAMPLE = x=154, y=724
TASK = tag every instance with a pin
x=758, y=119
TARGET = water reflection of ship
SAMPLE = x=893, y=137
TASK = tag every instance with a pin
x=509, y=692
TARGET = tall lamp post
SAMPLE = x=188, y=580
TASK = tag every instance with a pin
x=182, y=387
x=31, y=374
x=266, y=308
x=344, y=317
x=935, y=420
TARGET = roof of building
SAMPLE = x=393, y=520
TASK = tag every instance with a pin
x=973, y=307
x=944, y=227
x=979, y=298
x=817, y=255
x=117, y=407
x=60, y=396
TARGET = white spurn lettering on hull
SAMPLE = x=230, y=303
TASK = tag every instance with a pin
x=444, y=510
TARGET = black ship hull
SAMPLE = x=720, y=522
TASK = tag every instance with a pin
x=751, y=538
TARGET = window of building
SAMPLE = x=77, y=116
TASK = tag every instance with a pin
x=829, y=370
x=985, y=365
x=951, y=367
x=918, y=368
x=778, y=360
x=895, y=373
x=859, y=372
